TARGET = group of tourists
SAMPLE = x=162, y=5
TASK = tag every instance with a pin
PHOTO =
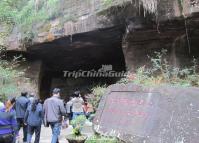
x=28, y=112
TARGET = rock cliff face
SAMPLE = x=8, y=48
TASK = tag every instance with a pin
x=179, y=37
x=85, y=16
x=87, y=34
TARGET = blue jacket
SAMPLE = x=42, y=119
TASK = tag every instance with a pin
x=8, y=123
x=21, y=105
x=34, y=118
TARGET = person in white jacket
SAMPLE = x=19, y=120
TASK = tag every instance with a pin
x=77, y=105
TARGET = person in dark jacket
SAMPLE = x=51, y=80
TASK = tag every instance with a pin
x=8, y=123
x=21, y=106
x=69, y=108
x=33, y=118
x=54, y=111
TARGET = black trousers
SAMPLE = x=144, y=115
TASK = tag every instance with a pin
x=8, y=138
x=20, y=123
x=31, y=131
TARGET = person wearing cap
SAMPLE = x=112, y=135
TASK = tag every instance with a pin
x=54, y=110
x=21, y=106
x=8, y=123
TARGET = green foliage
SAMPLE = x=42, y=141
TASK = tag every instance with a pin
x=8, y=76
x=98, y=91
x=163, y=73
x=78, y=124
x=123, y=81
x=107, y=2
x=6, y=20
x=24, y=14
x=101, y=139
x=32, y=13
x=76, y=131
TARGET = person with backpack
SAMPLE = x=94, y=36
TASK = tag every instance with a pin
x=8, y=123
x=33, y=119
x=54, y=111
x=21, y=106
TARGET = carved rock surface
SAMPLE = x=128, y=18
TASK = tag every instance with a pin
x=166, y=114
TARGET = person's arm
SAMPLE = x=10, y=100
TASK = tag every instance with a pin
x=14, y=122
x=44, y=114
x=41, y=112
x=44, y=107
x=27, y=104
x=62, y=109
x=26, y=116
x=84, y=108
x=14, y=106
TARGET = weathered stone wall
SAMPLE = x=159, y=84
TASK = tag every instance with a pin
x=180, y=37
x=77, y=16
x=30, y=82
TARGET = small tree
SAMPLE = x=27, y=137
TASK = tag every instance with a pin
x=78, y=124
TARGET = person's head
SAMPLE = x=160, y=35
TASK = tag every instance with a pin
x=9, y=104
x=34, y=104
x=41, y=101
x=76, y=94
x=24, y=94
x=56, y=92
x=32, y=94
x=13, y=100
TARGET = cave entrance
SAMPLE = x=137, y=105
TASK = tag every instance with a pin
x=85, y=51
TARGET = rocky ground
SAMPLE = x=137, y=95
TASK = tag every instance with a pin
x=46, y=134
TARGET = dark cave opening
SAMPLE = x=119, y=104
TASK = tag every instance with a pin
x=85, y=51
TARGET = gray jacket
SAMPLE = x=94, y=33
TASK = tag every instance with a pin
x=77, y=106
x=54, y=109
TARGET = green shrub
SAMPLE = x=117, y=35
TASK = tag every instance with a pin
x=78, y=124
x=161, y=72
x=107, y=2
x=97, y=91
